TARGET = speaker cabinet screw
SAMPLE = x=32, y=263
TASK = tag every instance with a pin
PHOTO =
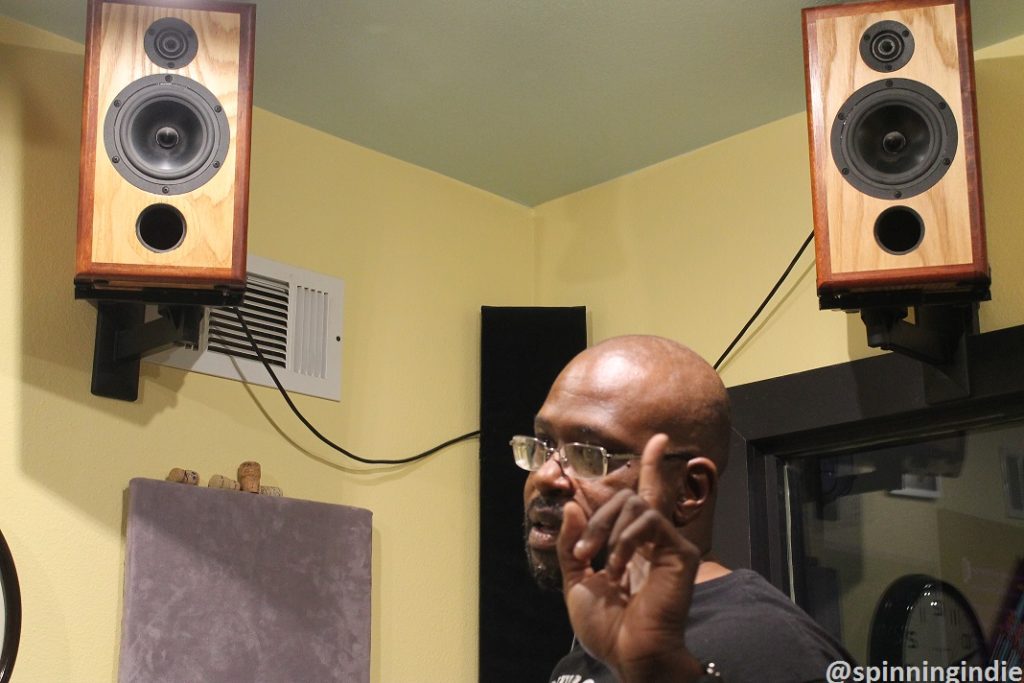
x=216, y=164
x=168, y=78
x=116, y=160
x=165, y=189
x=117, y=103
x=897, y=194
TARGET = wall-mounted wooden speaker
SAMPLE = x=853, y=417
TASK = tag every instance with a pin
x=896, y=182
x=164, y=169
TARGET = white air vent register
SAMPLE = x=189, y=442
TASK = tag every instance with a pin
x=295, y=317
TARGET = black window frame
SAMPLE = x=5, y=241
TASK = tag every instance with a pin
x=876, y=401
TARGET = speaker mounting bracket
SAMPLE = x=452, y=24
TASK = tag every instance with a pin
x=937, y=339
x=123, y=337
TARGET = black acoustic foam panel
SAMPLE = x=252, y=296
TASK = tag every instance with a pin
x=523, y=631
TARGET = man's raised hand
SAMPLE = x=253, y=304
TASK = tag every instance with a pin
x=631, y=614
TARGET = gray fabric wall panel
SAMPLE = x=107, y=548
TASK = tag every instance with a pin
x=224, y=586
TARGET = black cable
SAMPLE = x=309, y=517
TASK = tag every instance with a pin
x=302, y=418
x=470, y=435
x=768, y=298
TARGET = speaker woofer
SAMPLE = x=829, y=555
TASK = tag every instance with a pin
x=166, y=135
x=894, y=138
x=171, y=43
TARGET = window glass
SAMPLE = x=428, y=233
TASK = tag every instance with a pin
x=950, y=509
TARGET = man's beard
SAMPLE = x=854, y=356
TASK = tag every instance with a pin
x=544, y=566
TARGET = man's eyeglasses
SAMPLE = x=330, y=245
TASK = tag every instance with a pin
x=585, y=460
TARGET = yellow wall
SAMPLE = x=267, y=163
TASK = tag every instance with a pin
x=419, y=254
x=686, y=248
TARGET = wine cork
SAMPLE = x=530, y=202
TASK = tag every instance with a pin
x=271, y=491
x=249, y=476
x=219, y=481
x=181, y=476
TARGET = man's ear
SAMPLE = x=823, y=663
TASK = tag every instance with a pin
x=701, y=483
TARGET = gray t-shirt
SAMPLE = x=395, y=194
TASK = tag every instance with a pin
x=747, y=627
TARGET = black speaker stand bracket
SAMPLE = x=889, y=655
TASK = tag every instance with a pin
x=937, y=338
x=123, y=337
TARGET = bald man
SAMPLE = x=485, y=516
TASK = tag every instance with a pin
x=619, y=504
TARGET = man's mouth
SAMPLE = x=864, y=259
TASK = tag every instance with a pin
x=543, y=537
x=545, y=521
x=541, y=525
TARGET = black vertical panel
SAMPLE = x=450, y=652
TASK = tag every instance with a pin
x=523, y=630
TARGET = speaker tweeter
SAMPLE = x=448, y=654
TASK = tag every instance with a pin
x=171, y=43
x=887, y=46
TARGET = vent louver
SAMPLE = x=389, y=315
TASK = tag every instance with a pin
x=311, y=323
x=295, y=317
x=265, y=311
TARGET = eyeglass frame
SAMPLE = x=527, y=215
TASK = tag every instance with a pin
x=563, y=462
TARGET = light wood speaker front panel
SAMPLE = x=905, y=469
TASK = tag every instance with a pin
x=212, y=251
x=951, y=250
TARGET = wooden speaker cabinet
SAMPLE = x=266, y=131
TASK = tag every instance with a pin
x=896, y=183
x=164, y=168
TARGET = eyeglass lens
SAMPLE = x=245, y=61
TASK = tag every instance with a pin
x=584, y=460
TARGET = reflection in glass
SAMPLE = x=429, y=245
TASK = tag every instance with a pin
x=939, y=508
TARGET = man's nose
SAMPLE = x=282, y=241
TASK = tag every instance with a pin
x=551, y=477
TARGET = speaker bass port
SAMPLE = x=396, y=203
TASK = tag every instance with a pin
x=160, y=228
x=899, y=230
x=894, y=139
x=166, y=135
